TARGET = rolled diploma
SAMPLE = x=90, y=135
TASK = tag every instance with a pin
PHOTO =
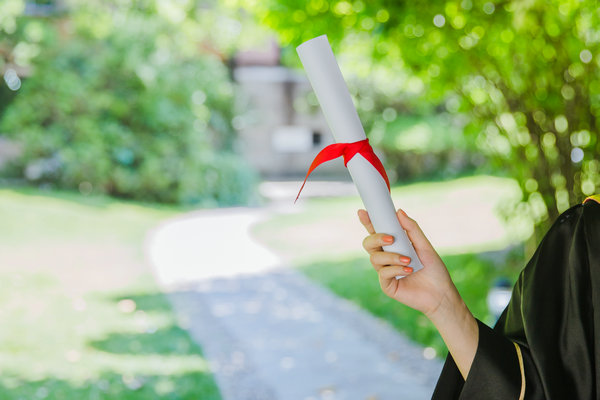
x=330, y=88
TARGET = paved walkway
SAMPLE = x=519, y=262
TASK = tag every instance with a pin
x=269, y=333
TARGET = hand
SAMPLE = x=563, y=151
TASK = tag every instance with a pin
x=429, y=290
x=424, y=290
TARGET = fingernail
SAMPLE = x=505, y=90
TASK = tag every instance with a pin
x=388, y=239
x=407, y=269
x=404, y=260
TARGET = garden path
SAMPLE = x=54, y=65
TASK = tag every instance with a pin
x=269, y=333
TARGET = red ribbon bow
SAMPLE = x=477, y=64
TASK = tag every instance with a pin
x=347, y=150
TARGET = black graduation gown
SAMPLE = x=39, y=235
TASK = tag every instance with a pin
x=546, y=344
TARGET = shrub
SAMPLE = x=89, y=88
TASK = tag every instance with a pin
x=125, y=113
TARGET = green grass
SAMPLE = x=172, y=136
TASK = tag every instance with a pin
x=355, y=279
x=80, y=313
x=462, y=217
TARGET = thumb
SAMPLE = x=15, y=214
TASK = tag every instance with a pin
x=414, y=232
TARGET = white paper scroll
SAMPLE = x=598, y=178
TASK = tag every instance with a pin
x=330, y=88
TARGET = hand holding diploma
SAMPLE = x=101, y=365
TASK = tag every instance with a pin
x=423, y=291
x=431, y=291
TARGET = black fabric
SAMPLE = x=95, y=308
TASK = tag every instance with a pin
x=554, y=317
x=496, y=356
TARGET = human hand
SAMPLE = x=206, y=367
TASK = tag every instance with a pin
x=429, y=290
x=424, y=290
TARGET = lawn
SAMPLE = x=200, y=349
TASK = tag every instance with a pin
x=463, y=219
x=80, y=313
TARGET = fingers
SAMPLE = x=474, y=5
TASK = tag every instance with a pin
x=375, y=241
x=363, y=216
x=380, y=259
x=415, y=234
x=392, y=272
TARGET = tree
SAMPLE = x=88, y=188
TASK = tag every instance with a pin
x=525, y=74
x=123, y=102
x=21, y=39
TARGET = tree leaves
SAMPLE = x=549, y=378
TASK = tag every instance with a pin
x=518, y=70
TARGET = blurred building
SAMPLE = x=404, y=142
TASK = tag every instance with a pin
x=280, y=132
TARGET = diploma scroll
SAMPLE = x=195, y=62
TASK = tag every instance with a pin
x=330, y=88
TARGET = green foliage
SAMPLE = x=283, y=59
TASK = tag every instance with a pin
x=125, y=105
x=525, y=74
x=21, y=40
x=433, y=146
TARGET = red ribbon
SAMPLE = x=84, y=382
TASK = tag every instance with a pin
x=347, y=150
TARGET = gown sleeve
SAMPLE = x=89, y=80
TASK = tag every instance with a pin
x=501, y=370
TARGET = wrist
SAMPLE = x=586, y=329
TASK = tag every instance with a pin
x=458, y=328
x=450, y=309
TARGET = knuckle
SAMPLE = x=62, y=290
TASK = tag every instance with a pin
x=365, y=243
x=373, y=258
x=412, y=224
x=386, y=273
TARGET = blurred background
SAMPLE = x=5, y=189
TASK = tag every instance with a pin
x=118, y=117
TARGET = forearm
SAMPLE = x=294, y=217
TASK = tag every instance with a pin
x=458, y=328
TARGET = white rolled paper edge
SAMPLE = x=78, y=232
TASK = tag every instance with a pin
x=377, y=200
x=330, y=88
